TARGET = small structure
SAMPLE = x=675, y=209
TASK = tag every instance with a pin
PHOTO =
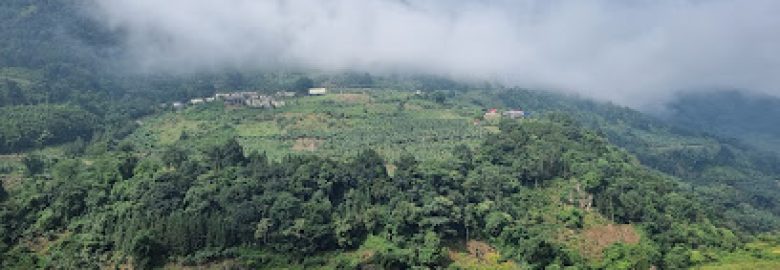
x=285, y=94
x=491, y=114
x=178, y=105
x=196, y=101
x=259, y=102
x=249, y=99
x=233, y=100
x=514, y=114
x=318, y=91
x=277, y=103
x=249, y=95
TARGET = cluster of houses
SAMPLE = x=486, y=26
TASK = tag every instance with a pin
x=494, y=115
x=511, y=113
x=249, y=99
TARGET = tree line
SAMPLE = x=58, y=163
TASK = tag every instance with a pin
x=196, y=206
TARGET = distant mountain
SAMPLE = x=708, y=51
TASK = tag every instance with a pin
x=753, y=119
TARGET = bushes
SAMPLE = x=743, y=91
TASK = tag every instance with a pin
x=24, y=127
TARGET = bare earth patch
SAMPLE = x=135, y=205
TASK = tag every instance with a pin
x=307, y=144
x=594, y=240
x=41, y=244
x=353, y=98
x=10, y=182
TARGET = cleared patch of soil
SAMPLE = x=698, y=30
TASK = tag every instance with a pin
x=41, y=244
x=596, y=239
x=353, y=98
x=307, y=144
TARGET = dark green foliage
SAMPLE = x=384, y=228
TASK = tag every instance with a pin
x=224, y=155
x=24, y=127
x=33, y=163
x=174, y=156
x=146, y=250
x=728, y=173
x=438, y=97
x=302, y=85
x=11, y=93
x=642, y=256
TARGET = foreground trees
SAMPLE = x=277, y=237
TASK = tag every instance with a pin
x=199, y=206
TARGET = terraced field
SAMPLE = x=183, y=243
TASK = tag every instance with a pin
x=335, y=125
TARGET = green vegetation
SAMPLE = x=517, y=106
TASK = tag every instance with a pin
x=95, y=173
x=393, y=180
x=24, y=127
x=738, y=180
x=338, y=125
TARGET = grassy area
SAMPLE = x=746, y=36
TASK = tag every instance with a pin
x=742, y=261
x=479, y=255
x=354, y=259
x=759, y=255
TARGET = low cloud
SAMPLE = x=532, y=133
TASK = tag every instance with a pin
x=637, y=53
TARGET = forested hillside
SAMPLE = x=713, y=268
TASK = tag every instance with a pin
x=99, y=171
x=522, y=190
x=740, y=179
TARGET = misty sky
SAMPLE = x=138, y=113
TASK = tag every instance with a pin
x=636, y=53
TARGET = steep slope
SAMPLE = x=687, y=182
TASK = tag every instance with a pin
x=740, y=180
x=543, y=192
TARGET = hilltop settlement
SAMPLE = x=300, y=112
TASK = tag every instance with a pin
x=248, y=99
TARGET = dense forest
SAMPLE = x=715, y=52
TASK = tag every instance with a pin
x=198, y=205
x=97, y=171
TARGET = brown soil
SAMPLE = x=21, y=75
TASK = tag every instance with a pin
x=473, y=250
x=307, y=144
x=353, y=98
x=596, y=239
x=390, y=169
x=478, y=249
x=41, y=244
x=10, y=182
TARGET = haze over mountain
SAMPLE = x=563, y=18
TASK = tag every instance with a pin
x=636, y=53
x=731, y=114
x=184, y=134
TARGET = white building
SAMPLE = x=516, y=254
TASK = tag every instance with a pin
x=318, y=91
x=514, y=114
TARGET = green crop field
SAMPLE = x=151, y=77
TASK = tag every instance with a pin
x=336, y=125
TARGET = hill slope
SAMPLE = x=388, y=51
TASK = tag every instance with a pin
x=194, y=187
